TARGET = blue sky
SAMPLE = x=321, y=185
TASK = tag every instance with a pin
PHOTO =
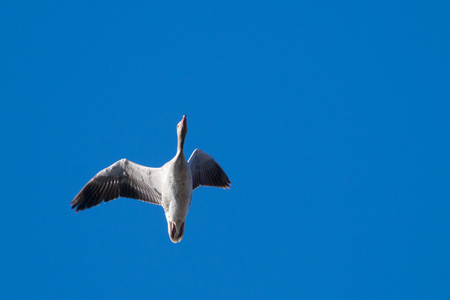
x=330, y=118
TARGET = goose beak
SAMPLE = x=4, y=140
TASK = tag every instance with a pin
x=183, y=122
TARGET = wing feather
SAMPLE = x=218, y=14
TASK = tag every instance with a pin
x=206, y=171
x=124, y=178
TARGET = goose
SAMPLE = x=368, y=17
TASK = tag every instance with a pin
x=169, y=186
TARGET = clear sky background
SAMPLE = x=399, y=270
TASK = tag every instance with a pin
x=331, y=119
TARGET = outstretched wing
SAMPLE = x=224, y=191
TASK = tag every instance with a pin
x=124, y=178
x=206, y=171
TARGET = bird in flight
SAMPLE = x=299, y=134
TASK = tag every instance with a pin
x=170, y=186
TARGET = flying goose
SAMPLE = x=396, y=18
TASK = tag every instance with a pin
x=170, y=186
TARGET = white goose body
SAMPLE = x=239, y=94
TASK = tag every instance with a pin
x=176, y=194
x=170, y=186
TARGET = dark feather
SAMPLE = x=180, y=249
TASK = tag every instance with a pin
x=114, y=182
x=206, y=171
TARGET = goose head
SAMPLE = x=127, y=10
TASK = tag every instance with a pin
x=176, y=230
x=181, y=132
